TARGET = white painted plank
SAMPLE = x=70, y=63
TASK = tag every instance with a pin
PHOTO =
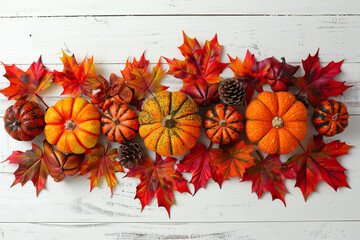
x=114, y=39
x=199, y=231
x=72, y=201
x=350, y=74
x=175, y=7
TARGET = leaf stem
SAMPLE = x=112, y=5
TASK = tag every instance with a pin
x=260, y=155
x=210, y=145
x=41, y=100
x=302, y=147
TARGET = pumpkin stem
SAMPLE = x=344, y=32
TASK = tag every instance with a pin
x=70, y=125
x=277, y=122
x=116, y=121
x=168, y=121
x=335, y=117
x=222, y=123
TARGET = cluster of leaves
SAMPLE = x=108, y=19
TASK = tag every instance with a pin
x=200, y=72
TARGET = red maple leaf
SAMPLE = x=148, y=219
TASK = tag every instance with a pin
x=101, y=163
x=141, y=80
x=201, y=163
x=200, y=63
x=202, y=93
x=318, y=82
x=250, y=73
x=31, y=167
x=268, y=175
x=26, y=85
x=158, y=179
x=75, y=79
x=235, y=160
x=317, y=163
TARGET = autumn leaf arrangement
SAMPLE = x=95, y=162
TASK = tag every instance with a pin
x=274, y=123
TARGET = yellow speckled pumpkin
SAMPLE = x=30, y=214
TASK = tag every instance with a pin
x=73, y=125
x=170, y=123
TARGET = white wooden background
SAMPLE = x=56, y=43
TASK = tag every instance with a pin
x=114, y=30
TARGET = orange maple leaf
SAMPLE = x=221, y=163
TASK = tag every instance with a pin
x=79, y=80
x=26, y=85
x=141, y=80
x=200, y=63
x=235, y=160
x=250, y=73
x=158, y=179
x=101, y=163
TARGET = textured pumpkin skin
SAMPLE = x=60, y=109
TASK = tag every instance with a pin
x=181, y=116
x=24, y=120
x=223, y=124
x=330, y=117
x=73, y=125
x=120, y=123
x=264, y=116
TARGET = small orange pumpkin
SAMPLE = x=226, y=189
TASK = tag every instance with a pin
x=170, y=123
x=276, y=122
x=120, y=123
x=223, y=124
x=73, y=125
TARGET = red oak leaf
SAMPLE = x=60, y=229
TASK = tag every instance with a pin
x=250, y=73
x=319, y=163
x=141, y=80
x=158, y=179
x=101, y=163
x=26, y=85
x=202, y=93
x=201, y=163
x=280, y=74
x=31, y=167
x=75, y=79
x=235, y=160
x=318, y=82
x=268, y=175
x=200, y=63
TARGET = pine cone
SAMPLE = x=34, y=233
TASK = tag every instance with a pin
x=231, y=91
x=130, y=154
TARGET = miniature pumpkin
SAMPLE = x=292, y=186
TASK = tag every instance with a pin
x=223, y=124
x=120, y=123
x=60, y=165
x=24, y=120
x=330, y=117
x=170, y=123
x=73, y=125
x=276, y=122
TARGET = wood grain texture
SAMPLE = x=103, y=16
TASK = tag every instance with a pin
x=114, y=39
x=196, y=231
x=176, y=7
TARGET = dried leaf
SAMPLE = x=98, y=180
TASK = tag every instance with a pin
x=158, y=179
x=250, y=73
x=26, y=85
x=31, y=167
x=101, y=163
x=75, y=79
x=319, y=163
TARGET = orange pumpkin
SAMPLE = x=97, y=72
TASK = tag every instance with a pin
x=223, y=124
x=170, y=123
x=276, y=122
x=120, y=123
x=73, y=125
